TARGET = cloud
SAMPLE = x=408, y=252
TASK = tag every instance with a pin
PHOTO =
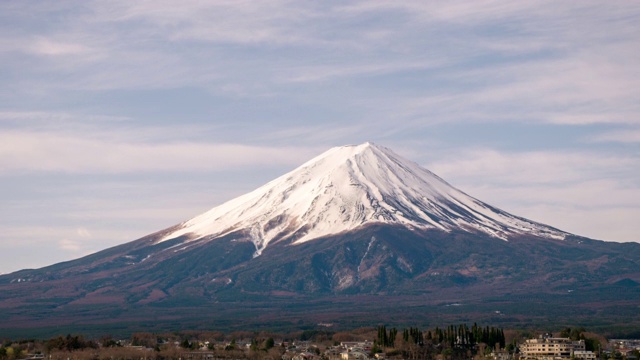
x=328, y=72
x=532, y=167
x=555, y=91
x=55, y=120
x=222, y=21
x=83, y=232
x=44, y=46
x=618, y=136
x=303, y=43
x=34, y=246
x=611, y=224
x=612, y=117
x=79, y=153
x=318, y=138
x=69, y=245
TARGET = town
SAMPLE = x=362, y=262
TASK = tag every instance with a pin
x=459, y=342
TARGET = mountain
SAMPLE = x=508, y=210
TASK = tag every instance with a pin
x=348, y=187
x=338, y=239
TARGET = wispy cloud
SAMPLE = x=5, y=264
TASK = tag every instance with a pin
x=298, y=45
x=535, y=167
x=62, y=243
x=44, y=46
x=618, y=136
x=328, y=72
x=69, y=245
x=37, y=151
x=55, y=119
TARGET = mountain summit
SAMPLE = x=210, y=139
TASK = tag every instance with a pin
x=346, y=188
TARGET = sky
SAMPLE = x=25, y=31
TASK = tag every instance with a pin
x=120, y=118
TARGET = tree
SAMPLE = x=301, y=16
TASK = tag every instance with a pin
x=108, y=341
x=185, y=344
x=16, y=351
x=144, y=339
x=231, y=346
x=386, y=338
x=392, y=337
x=69, y=343
x=382, y=336
x=375, y=348
x=446, y=353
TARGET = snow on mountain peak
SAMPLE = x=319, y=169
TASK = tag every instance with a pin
x=347, y=187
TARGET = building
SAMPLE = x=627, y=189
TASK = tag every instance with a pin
x=584, y=355
x=354, y=355
x=363, y=346
x=549, y=348
x=500, y=355
x=305, y=356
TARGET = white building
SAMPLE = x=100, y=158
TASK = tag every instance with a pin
x=354, y=355
x=548, y=348
x=584, y=355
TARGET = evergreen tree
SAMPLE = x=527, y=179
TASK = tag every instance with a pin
x=383, y=339
x=269, y=343
x=392, y=337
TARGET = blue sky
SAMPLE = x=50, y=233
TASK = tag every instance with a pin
x=121, y=118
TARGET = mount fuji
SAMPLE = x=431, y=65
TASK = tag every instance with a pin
x=346, y=188
x=354, y=228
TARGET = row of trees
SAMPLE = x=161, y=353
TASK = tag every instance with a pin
x=463, y=336
x=460, y=336
x=452, y=341
x=386, y=338
x=70, y=343
x=258, y=344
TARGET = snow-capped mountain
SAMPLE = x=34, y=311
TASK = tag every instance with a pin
x=348, y=187
x=338, y=239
